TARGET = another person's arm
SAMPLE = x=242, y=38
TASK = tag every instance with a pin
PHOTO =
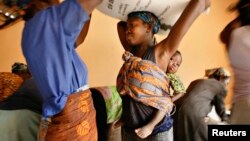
x=89, y=5
x=177, y=96
x=121, y=28
x=83, y=33
x=220, y=106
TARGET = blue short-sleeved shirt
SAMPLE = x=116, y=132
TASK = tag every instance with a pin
x=48, y=45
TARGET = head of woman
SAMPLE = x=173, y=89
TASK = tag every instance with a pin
x=221, y=74
x=243, y=8
x=141, y=27
x=175, y=62
x=21, y=69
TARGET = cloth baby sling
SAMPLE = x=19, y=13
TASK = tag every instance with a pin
x=145, y=82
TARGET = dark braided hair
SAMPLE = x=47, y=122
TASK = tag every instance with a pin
x=243, y=8
x=148, y=18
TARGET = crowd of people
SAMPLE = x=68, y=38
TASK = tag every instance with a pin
x=51, y=99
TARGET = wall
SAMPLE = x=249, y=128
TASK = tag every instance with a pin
x=102, y=50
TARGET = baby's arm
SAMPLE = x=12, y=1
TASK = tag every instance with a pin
x=177, y=86
x=177, y=96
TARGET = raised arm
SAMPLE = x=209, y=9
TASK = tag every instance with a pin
x=89, y=5
x=83, y=33
x=121, y=28
x=167, y=47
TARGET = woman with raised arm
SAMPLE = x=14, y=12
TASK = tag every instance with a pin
x=141, y=121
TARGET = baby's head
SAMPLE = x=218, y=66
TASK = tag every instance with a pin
x=175, y=62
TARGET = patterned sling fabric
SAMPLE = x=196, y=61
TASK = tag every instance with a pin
x=144, y=81
x=80, y=127
x=9, y=83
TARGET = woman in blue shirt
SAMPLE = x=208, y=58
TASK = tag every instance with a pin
x=48, y=43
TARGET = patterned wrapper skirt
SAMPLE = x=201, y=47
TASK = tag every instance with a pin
x=76, y=122
x=9, y=83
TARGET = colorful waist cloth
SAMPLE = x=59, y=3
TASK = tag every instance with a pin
x=9, y=83
x=145, y=82
x=76, y=122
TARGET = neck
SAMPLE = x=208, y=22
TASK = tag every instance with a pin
x=141, y=49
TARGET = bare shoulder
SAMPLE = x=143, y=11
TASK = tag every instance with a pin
x=226, y=32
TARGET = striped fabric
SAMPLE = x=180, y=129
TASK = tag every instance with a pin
x=144, y=81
